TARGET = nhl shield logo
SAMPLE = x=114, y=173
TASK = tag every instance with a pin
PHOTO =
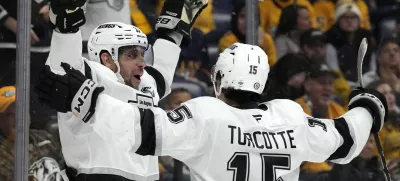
x=256, y=86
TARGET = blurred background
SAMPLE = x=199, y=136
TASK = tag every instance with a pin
x=312, y=48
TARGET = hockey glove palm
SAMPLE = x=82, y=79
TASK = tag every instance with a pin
x=70, y=92
x=180, y=15
x=374, y=102
x=67, y=15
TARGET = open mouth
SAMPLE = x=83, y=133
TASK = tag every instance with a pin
x=137, y=76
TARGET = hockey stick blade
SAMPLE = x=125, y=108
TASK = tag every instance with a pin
x=362, y=50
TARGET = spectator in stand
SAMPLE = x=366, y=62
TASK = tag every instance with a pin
x=318, y=102
x=345, y=36
x=325, y=13
x=40, y=40
x=286, y=78
x=388, y=66
x=313, y=45
x=390, y=134
x=293, y=22
x=365, y=167
x=238, y=34
x=271, y=10
x=45, y=159
x=383, y=15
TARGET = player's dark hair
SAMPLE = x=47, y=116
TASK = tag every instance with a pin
x=241, y=97
x=288, y=19
x=177, y=91
x=384, y=42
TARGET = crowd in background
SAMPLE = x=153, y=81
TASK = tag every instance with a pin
x=312, y=50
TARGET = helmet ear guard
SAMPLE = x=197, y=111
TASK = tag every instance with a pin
x=214, y=77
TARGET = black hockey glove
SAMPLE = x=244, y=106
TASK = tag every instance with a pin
x=67, y=15
x=70, y=92
x=374, y=102
x=179, y=16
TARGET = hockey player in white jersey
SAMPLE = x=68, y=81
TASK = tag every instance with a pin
x=120, y=47
x=233, y=136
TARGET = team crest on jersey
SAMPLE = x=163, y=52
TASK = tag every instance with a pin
x=148, y=90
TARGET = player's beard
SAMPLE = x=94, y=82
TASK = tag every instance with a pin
x=133, y=82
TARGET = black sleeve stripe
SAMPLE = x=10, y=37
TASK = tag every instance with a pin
x=344, y=131
x=148, y=144
x=88, y=71
x=159, y=80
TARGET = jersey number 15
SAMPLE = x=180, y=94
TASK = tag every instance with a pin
x=239, y=163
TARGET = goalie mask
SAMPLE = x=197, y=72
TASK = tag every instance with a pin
x=113, y=36
x=241, y=67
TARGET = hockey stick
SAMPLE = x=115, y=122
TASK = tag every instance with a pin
x=361, y=53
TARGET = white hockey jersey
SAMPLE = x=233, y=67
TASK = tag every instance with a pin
x=82, y=147
x=103, y=11
x=222, y=143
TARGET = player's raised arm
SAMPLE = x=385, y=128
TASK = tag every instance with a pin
x=173, y=29
x=133, y=129
x=66, y=42
x=150, y=131
x=342, y=139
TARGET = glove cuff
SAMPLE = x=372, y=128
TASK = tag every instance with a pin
x=373, y=105
x=84, y=102
x=67, y=21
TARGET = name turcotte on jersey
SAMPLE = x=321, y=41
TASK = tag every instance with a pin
x=262, y=139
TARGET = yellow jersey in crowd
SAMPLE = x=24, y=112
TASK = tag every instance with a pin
x=325, y=13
